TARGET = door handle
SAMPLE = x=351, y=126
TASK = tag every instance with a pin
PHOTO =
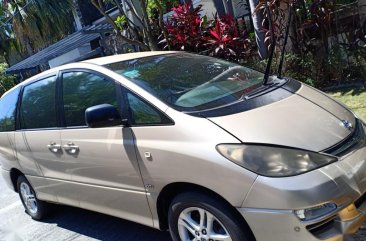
x=54, y=147
x=71, y=148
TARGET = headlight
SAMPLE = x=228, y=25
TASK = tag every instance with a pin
x=315, y=212
x=274, y=161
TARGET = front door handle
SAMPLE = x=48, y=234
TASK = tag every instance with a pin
x=54, y=147
x=71, y=148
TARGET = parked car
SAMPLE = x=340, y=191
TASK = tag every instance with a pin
x=188, y=143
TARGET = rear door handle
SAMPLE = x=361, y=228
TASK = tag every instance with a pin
x=71, y=148
x=54, y=147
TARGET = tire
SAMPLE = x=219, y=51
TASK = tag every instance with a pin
x=185, y=213
x=34, y=207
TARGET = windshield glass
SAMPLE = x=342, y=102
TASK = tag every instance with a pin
x=189, y=82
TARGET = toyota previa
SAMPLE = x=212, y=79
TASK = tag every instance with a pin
x=186, y=143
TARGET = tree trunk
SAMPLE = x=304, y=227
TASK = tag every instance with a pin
x=151, y=40
x=26, y=42
x=362, y=12
x=228, y=5
x=143, y=46
x=162, y=24
x=220, y=8
x=259, y=35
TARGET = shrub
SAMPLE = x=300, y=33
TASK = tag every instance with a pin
x=226, y=41
x=221, y=38
x=6, y=81
x=185, y=28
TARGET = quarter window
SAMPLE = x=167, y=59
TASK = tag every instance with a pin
x=144, y=114
x=8, y=105
x=38, y=108
x=82, y=90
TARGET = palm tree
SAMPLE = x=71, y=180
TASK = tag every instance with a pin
x=38, y=23
x=7, y=41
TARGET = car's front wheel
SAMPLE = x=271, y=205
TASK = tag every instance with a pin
x=196, y=217
x=37, y=209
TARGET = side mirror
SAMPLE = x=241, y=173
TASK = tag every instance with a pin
x=104, y=115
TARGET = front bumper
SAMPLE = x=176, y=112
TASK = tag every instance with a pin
x=282, y=225
x=269, y=206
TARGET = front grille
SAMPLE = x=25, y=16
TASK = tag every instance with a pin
x=354, y=141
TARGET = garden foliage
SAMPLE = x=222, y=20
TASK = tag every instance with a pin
x=323, y=50
x=6, y=81
x=328, y=42
x=220, y=37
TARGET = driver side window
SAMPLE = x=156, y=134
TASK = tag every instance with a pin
x=82, y=90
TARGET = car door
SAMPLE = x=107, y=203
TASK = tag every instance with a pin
x=102, y=161
x=37, y=138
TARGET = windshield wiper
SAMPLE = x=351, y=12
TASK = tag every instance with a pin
x=263, y=89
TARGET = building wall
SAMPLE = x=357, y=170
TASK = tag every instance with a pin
x=88, y=12
x=209, y=8
x=235, y=8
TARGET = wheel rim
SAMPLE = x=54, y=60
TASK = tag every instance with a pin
x=197, y=224
x=28, y=198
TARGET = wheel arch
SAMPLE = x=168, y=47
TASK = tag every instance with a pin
x=171, y=190
x=14, y=175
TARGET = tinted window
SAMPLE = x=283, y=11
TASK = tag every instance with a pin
x=8, y=110
x=82, y=90
x=190, y=82
x=143, y=113
x=38, y=108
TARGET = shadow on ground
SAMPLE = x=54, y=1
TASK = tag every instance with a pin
x=353, y=91
x=103, y=227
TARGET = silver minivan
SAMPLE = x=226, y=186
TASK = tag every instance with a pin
x=186, y=143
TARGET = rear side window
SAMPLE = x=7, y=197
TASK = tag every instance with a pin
x=82, y=90
x=8, y=105
x=38, y=108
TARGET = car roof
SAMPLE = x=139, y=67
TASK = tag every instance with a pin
x=97, y=61
x=125, y=57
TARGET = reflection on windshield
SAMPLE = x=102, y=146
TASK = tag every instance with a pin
x=190, y=82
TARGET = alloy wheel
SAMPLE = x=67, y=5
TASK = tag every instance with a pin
x=29, y=198
x=197, y=224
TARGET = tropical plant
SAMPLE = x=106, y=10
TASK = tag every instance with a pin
x=6, y=81
x=189, y=31
x=138, y=29
x=186, y=28
x=153, y=7
x=9, y=49
x=38, y=23
x=226, y=41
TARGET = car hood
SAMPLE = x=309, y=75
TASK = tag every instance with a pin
x=307, y=119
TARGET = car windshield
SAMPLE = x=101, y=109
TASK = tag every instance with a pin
x=190, y=82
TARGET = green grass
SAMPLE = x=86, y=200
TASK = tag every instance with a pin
x=354, y=99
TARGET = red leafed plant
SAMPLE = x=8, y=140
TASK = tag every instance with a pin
x=185, y=28
x=226, y=41
x=188, y=31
